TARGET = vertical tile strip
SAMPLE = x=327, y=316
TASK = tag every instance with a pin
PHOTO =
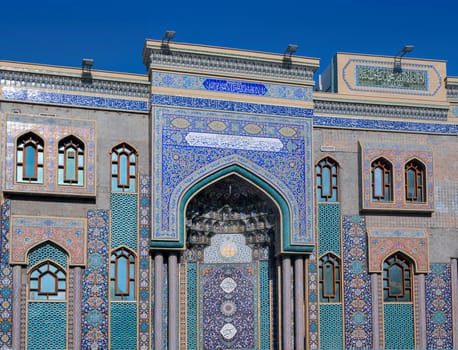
x=95, y=283
x=6, y=280
x=357, y=285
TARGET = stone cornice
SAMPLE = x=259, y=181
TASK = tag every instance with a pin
x=22, y=79
x=257, y=67
x=379, y=110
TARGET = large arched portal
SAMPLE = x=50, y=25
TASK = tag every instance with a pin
x=231, y=227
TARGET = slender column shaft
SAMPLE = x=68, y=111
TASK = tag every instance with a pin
x=77, y=307
x=375, y=311
x=158, y=300
x=299, y=303
x=173, y=302
x=421, y=302
x=17, y=282
x=286, y=304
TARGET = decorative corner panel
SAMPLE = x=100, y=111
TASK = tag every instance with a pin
x=384, y=242
x=398, y=155
x=193, y=148
x=68, y=233
x=51, y=130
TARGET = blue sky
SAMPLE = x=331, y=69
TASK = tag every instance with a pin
x=62, y=32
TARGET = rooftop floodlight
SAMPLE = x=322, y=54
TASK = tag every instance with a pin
x=86, y=74
x=290, y=49
x=169, y=35
x=397, y=59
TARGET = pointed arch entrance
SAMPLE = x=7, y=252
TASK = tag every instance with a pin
x=232, y=226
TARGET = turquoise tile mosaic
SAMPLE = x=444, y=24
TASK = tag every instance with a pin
x=124, y=227
x=192, y=309
x=399, y=326
x=6, y=279
x=123, y=325
x=331, y=332
x=47, y=326
x=439, y=326
x=329, y=237
x=46, y=251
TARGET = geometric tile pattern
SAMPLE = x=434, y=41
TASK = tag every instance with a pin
x=47, y=251
x=193, y=82
x=47, y=326
x=380, y=124
x=9, y=93
x=331, y=327
x=329, y=228
x=124, y=220
x=357, y=285
x=192, y=302
x=95, y=282
x=51, y=130
x=398, y=326
x=439, y=328
x=398, y=155
x=178, y=163
x=144, y=262
x=264, y=304
x=123, y=325
x=312, y=302
x=383, y=243
x=68, y=233
x=6, y=279
x=229, y=306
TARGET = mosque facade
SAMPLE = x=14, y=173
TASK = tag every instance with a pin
x=229, y=199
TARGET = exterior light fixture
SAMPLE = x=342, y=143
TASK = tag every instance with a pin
x=168, y=35
x=290, y=49
x=86, y=67
x=397, y=59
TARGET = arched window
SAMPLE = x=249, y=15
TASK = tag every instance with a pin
x=122, y=275
x=382, y=180
x=47, y=281
x=415, y=181
x=397, y=279
x=29, y=158
x=330, y=280
x=326, y=180
x=123, y=168
x=71, y=162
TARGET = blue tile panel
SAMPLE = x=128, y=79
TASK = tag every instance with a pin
x=179, y=164
x=192, y=297
x=144, y=268
x=6, y=279
x=398, y=326
x=124, y=220
x=312, y=307
x=95, y=282
x=331, y=332
x=264, y=304
x=46, y=251
x=239, y=309
x=329, y=228
x=123, y=326
x=455, y=111
x=230, y=106
x=439, y=327
x=357, y=284
x=37, y=96
x=47, y=326
x=387, y=125
x=199, y=83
